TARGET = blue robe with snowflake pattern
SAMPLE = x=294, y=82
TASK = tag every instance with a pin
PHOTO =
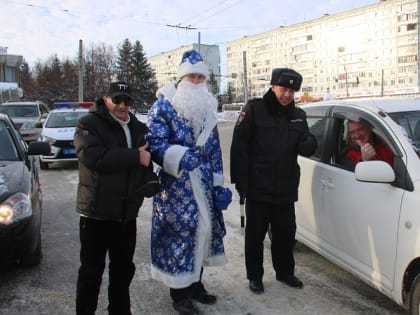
x=187, y=231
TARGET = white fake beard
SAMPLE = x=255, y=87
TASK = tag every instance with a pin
x=194, y=103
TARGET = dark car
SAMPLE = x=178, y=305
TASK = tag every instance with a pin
x=20, y=196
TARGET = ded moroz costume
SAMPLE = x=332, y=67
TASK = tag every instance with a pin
x=187, y=223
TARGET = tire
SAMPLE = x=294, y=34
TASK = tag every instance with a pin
x=414, y=308
x=43, y=165
x=35, y=257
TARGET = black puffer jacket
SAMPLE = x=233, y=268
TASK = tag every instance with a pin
x=109, y=172
x=266, y=141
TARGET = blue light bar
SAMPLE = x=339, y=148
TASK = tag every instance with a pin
x=61, y=105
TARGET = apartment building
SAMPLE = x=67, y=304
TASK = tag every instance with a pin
x=9, y=75
x=368, y=51
x=166, y=64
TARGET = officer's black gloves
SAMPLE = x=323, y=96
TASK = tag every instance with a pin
x=307, y=145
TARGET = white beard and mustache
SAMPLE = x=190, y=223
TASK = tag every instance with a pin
x=195, y=104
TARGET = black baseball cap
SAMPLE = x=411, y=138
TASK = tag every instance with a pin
x=119, y=89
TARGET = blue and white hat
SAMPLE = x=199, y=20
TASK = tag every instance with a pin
x=192, y=62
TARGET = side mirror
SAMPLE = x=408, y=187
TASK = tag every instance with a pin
x=374, y=171
x=39, y=148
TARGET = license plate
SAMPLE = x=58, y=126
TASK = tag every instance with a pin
x=68, y=151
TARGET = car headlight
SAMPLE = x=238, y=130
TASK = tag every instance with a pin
x=16, y=207
x=51, y=141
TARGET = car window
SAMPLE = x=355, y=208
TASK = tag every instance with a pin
x=20, y=110
x=344, y=144
x=8, y=150
x=317, y=126
x=410, y=121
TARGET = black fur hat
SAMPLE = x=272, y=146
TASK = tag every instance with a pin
x=286, y=77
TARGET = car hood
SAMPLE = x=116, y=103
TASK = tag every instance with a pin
x=22, y=120
x=11, y=178
x=63, y=133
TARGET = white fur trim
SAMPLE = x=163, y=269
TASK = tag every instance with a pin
x=175, y=281
x=210, y=123
x=188, y=68
x=167, y=91
x=218, y=179
x=171, y=159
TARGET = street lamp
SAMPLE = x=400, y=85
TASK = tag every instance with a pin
x=347, y=83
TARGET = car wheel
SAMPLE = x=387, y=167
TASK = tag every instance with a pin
x=35, y=257
x=415, y=296
x=43, y=165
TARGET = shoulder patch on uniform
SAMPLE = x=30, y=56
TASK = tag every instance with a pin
x=241, y=118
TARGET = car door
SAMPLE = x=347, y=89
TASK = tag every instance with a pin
x=310, y=202
x=359, y=220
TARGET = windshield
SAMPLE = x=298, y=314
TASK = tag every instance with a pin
x=63, y=119
x=410, y=121
x=8, y=150
x=20, y=110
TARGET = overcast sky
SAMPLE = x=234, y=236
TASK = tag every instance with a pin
x=39, y=29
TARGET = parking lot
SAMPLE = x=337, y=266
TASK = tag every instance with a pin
x=50, y=287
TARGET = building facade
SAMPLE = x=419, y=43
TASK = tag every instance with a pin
x=10, y=76
x=368, y=51
x=166, y=64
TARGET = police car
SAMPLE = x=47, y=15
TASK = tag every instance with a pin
x=58, y=130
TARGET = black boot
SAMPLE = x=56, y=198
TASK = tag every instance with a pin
x=256, y=286
x=185, y=307
x=291, y=281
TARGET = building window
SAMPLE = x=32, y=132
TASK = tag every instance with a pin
x=10, y=74
x=411, y=26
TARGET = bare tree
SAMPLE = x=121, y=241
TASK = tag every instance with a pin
x=99, y=70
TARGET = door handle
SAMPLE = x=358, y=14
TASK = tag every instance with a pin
x=326, y=184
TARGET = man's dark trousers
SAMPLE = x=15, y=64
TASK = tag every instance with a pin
x=98, y=238
x=281, y=218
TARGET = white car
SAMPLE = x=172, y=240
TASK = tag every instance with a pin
x=58, y=130
x=367, y=219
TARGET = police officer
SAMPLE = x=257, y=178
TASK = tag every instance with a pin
x=269, y=134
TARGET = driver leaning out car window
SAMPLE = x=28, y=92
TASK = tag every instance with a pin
x=364, y=145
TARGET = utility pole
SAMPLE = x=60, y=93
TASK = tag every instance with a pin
x=81, y=70
x=199, y=43
x=382, y=82
x=347, y=86
x=245, y=79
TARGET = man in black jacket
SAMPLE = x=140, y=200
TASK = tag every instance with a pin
x=113, y=163
x=269, y=134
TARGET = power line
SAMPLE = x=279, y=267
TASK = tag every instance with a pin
x=221, y=10
x=182, y=27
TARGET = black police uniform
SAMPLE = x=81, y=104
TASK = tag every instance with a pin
x=266, y=141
